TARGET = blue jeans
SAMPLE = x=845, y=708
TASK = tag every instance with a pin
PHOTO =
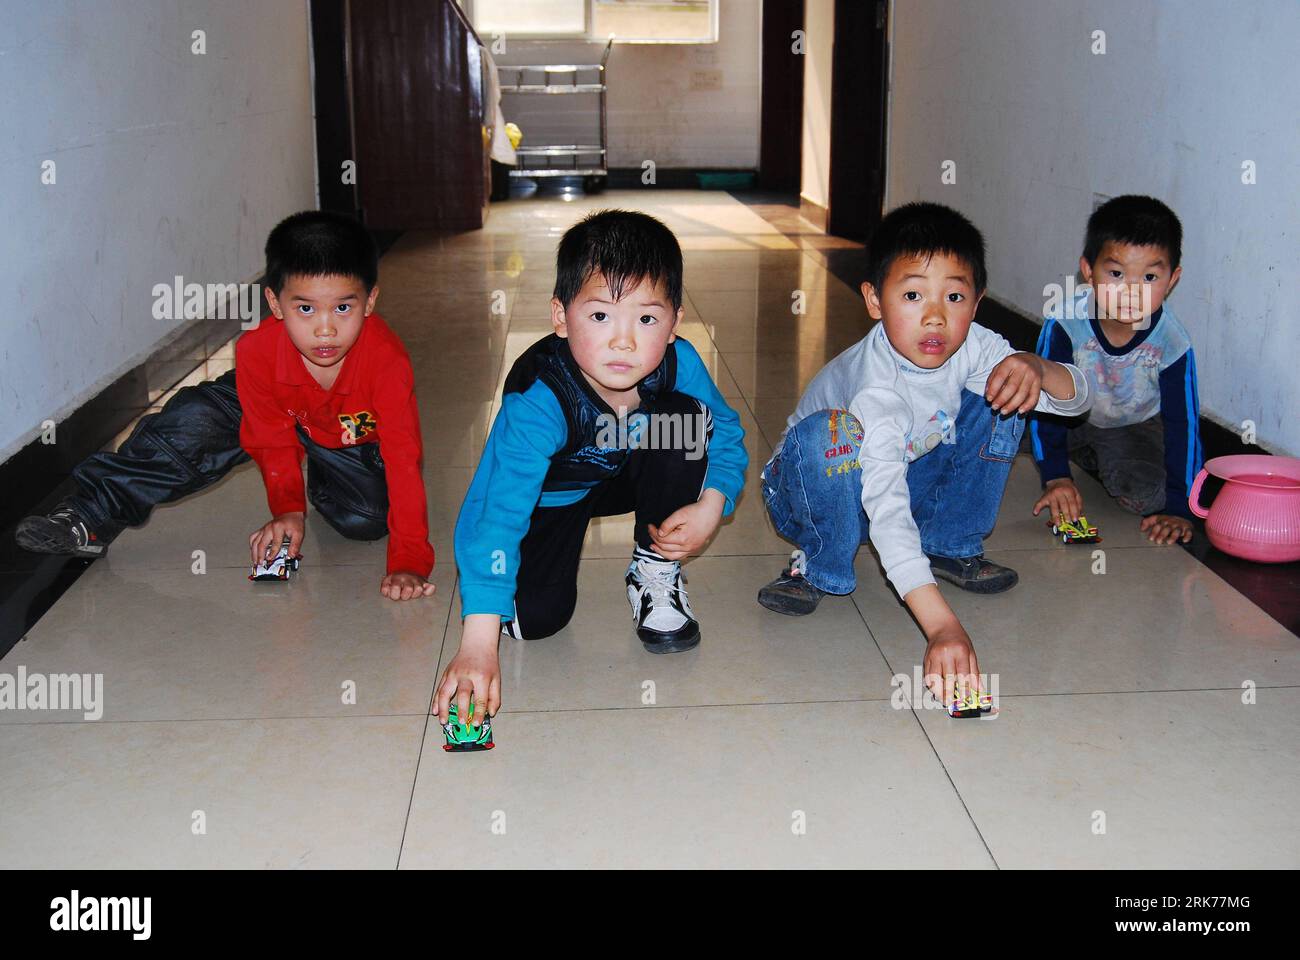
x=813, y=488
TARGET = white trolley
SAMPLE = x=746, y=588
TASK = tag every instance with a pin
x=587, y=160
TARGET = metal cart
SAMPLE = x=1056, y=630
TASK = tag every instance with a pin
x=589, y=161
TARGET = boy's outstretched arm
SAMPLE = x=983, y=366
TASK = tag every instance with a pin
x=474, y=674
x=267, y=434
x=950, y=662
x=493, y=520
x=1049, y=438
x=1017, y=383
x=949, y=654
x=409, y=555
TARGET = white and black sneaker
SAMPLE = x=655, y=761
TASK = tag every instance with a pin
x=62, y=532
x=660, y=608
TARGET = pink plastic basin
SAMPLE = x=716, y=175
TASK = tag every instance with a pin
x=1256, y=515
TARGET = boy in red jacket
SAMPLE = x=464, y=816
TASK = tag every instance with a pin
x=325, y=379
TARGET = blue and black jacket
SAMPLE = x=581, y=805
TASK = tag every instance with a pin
x=543, y=451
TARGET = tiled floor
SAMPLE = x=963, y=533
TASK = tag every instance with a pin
x=1123, y=739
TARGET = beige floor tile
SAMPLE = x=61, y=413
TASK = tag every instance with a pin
x=1184, y=781
x=697, y=788
x=277, y=794
x=172, y=645
x=771, y=414
x=777, y=305
x=747, y=654
x=454, y=434
x=1156, y=620
x=760, y=375
x=1018, y=528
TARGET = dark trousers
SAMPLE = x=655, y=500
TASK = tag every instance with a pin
x=193, y=442
x=1129, y=460
x=652, y=483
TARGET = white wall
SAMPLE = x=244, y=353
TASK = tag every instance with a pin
x=819, y=44
x=680, y=105
x=1186, y=91
x=167, y=163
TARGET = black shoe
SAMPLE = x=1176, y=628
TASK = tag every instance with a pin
x=974, y=573
x=660, y=608
x=791, y=593
x=61, y=532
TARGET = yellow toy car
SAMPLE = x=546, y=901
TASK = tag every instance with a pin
x=1075, y=531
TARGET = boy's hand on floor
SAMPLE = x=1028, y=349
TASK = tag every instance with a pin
x=1014, y=384
x=405, y=586
x=687, y=530
x=473, y=676
x=1166, y=529
x=1060, y=496
x=950, y=663
x=265, y=541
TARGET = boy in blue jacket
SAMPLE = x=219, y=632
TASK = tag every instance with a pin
x=1142, y=435
x=612, y=413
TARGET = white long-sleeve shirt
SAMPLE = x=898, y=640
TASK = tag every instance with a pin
x=905, y=412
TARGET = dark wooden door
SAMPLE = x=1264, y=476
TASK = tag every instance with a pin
x=859, y=78
x=329, y=39
x=781, y=107
x=416, y=75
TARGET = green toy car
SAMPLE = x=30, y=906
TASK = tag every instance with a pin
x=462, y=737
x=1075, y=531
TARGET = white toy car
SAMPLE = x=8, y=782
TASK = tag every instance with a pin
x=277, y=568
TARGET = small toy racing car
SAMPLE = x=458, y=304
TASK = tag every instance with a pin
x=1075, y=531
x=462, y=737
x=278, y=567
x=974, y=705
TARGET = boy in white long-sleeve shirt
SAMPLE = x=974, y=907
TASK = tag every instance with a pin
x=907, y=438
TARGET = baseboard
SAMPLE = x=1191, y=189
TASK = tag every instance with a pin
x=814, y=213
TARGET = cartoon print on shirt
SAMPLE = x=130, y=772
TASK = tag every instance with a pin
x=1121, y=380
x=356, y=426
x=940, y=428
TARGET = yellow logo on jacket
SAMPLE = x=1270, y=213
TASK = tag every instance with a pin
x=356, y=426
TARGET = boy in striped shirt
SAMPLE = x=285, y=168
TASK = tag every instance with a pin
x=1142, y=434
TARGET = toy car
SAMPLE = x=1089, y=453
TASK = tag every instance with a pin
x=462, y=737
x=1075, y=531
x=277, y=568
x=974, y=705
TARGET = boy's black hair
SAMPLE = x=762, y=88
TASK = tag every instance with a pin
x=318, y=243
x=1141, y=221
x=624, y=247
x=922, y=230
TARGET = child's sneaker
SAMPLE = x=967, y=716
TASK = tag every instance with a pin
x=660, y=608
x=791, y=593
x=974, y=573
x=62, y=532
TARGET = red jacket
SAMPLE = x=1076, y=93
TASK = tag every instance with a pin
x=373, y=401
